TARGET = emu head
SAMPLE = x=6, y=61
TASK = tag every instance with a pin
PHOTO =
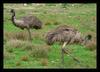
x=12, y=11
x=86, y=39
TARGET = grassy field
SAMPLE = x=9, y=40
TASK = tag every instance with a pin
x=19, y=53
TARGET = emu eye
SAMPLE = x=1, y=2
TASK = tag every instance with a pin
x=67, y=29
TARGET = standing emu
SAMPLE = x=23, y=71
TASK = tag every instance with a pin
x=66, y=35
x=27, y=22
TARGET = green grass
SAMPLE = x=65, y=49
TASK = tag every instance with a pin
x=79, y=16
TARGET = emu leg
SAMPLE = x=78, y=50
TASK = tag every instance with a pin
x=66, y=51
x=29, y=34
x=62, y=56
x=62, y=53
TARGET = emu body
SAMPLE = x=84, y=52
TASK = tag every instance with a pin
x=66, y=34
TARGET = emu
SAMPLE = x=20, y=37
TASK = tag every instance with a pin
x=66, y=35
x=26, y=22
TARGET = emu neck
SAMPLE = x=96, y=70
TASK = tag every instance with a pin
x=13, y=18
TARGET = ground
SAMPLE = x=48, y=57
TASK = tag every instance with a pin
x=20, y=53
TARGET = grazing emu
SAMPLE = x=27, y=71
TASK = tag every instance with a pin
x=66, y=35
x=27, y=22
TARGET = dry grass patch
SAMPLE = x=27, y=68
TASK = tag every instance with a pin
x=37, y=35
x=50, y=22
x=44, y=61
x=14, y=43
x=91, y=45
x=24, y=58
x=94, y=18
x=18, y=63
x=8, y=35
x=34, y=50
x=7, y=55
x=40, y=51
x=20, y=35
x=15, y=35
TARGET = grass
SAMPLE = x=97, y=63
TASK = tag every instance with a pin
x=19, y=53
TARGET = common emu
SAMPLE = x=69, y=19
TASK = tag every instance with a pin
x=66, y=35
x=27, y=22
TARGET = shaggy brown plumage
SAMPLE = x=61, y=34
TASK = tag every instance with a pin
x=65, y=33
